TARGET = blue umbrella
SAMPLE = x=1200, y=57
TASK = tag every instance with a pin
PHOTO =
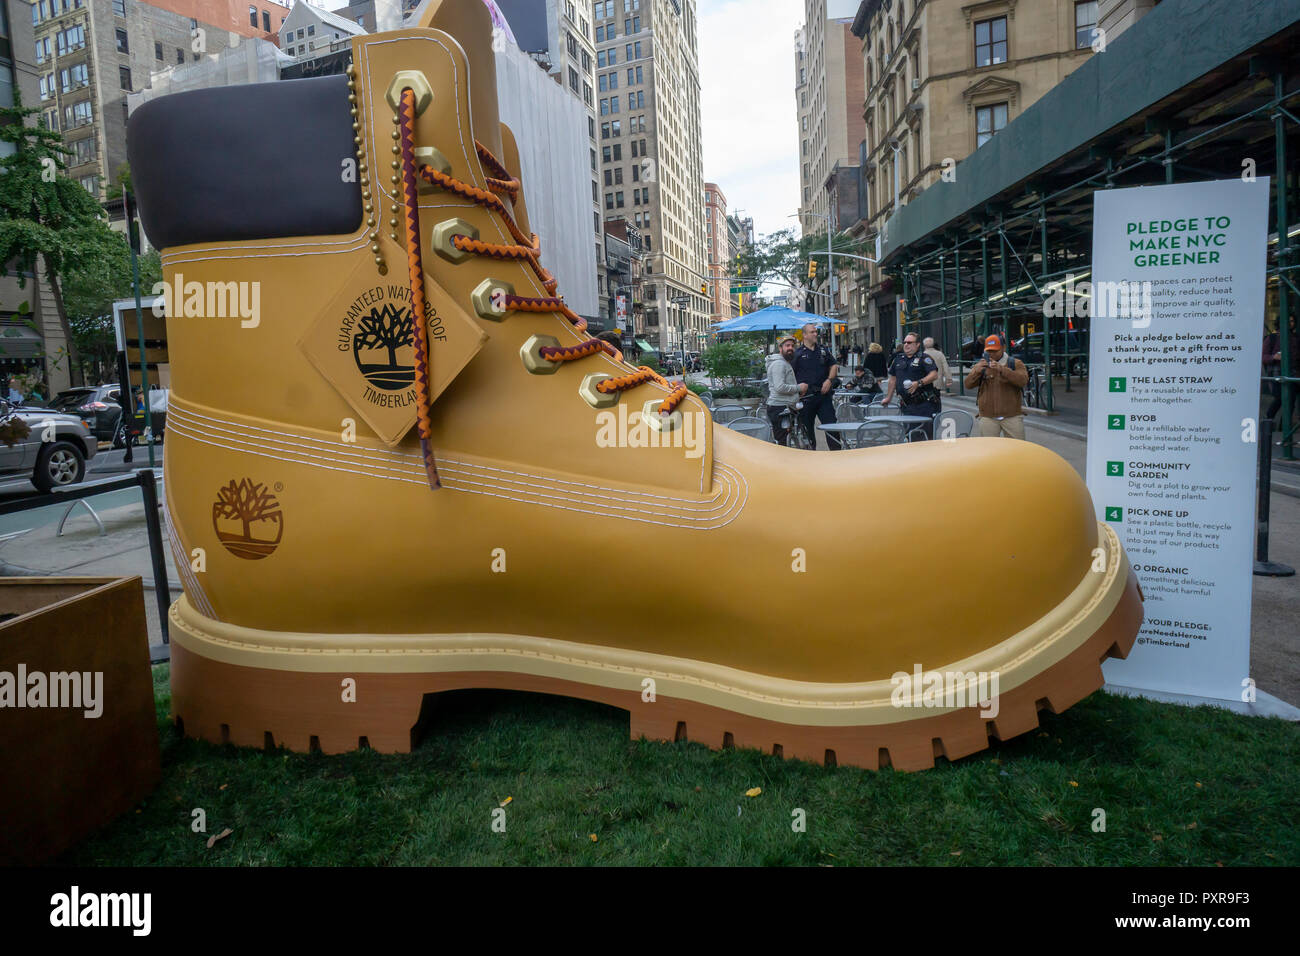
x=773, y=317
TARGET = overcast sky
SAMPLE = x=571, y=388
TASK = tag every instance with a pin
x=751, y=149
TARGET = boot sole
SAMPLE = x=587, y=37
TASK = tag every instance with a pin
x=295, y=699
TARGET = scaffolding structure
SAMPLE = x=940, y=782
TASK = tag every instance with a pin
x=1009, y=264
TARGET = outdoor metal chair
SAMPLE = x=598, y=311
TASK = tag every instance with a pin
x=954, y=423
x=753, y=427
x=707, y=399
x=852, y=412
x=872, y=434
x=917, y=434
x=723, y=414
x=881, y=411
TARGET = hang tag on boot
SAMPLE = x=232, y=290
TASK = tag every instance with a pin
x=362, y=345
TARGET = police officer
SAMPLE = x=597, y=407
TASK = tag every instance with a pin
x=816, y=373
x=912, y=374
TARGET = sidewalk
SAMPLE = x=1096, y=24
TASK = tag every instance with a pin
x=122, y=551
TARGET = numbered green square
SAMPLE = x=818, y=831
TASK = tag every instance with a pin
x=1119, y=384
x=1115, y=422
x=1115, y=469
x=1114, y=514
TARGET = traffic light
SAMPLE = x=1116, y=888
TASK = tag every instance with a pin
x=704, y=288
x=812, y=268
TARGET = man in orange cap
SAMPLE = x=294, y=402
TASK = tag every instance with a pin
x=1001, y=380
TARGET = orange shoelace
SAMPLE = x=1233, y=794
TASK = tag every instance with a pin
x=525, y=249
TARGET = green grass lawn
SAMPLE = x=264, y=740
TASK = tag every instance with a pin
x=1179, y=787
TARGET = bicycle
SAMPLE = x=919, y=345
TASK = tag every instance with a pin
x=795, y=436
x=1033, y=391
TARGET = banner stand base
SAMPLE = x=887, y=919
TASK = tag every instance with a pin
x=1264, y=705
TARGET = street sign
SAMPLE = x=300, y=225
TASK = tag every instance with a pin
x=742, y=289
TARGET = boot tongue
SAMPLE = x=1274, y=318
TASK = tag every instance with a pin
x=470, y=22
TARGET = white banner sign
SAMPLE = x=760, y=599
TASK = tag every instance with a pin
x=1177, y=317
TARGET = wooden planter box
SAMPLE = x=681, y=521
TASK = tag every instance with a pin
x=64, y=774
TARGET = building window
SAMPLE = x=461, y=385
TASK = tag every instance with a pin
x=991, y=41
x=609, y=200
x=613, y=81
x=157, y=51
x=609, y=177
x=593, y=159
x=611, y=58
x=636, y=173
x=618, y=200
x=90, y=184
x=600, y=58
x=1085, y=24
x=604, y=131
x=123, y=46
x=573, y=80
x=600, y=34
x=119, y=8
x=587, y=97
x=603, y=82
x=605, y=154
x=252, y=16
x=613, y=104
x=591, y=126
x=311, y=29
x=618, y=176
x=595, y=196
x=586, y=62
x=618, y=152
x=124, y=77
x=616, y=126
x=266, y=22
x=84, y=151
x=988, y=120
x=604, y=107
x=610, y=32
x=180, y=55
x=51, y=119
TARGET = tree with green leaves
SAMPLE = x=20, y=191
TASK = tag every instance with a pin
x=45, y=217
x=782, y=257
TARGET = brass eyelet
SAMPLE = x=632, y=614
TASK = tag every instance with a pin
x=440, y=239
x=660, y=423
x=434, y=159
x=418, y=84
x=531, y=354
x=595, y=398
x=484, y=295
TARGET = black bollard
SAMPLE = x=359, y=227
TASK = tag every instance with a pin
x=1263, y=566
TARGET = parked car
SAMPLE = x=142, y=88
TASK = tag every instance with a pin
x=97, y=406
x=54, y=455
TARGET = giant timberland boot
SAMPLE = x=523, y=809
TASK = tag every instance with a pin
x=410, y=469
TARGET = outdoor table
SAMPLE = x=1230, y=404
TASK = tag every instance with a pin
x=840, y=428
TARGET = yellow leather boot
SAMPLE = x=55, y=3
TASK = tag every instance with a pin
x=366, y=509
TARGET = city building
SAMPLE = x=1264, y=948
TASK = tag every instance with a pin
x=623, y=265
x=648, y=93
x=828, y=91
x=721, y=251
x=91, y=54
x=33, y=335
x=943, y=78
x=557, y=34
x=310, y=31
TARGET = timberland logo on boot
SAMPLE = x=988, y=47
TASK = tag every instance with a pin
x=377, y=330
x=75, y=690
x=209, y=300
x=946, y=689
x=247, y=519
x=622, y=428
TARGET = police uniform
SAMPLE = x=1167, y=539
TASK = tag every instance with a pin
x=925, y=400
x=812, y=367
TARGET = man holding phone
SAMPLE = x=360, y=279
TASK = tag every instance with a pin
x=1001, y=380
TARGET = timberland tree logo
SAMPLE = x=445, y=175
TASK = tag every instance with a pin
x=377, y=330
x=247, y=519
